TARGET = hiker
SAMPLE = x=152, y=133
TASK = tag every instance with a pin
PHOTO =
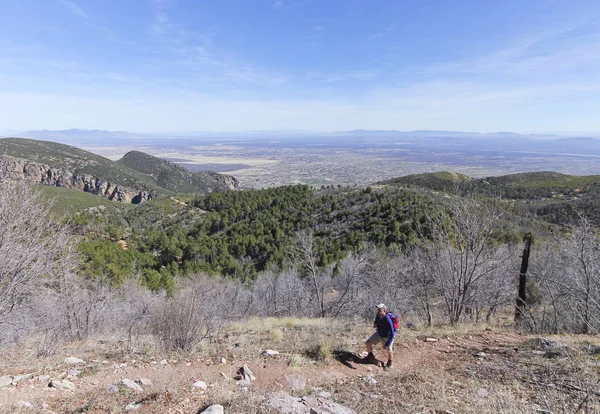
x=384, y=334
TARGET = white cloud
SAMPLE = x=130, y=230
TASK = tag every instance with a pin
x=74, y=8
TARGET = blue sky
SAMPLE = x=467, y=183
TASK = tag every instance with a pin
x=237, y=65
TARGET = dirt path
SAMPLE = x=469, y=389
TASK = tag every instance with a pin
x=98, y=388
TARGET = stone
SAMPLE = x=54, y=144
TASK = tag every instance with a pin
x=246, y=373
x=223, y=360
x=133, y=406
x=296, y=383
x=73, y=361
x=200, y=384
x=286, y=404
x=18, y=378
x=480, y=354
x=145, y=381
x=163, y=362
x=482, y=392
x=23, y=404
x=244, y=383
x=269, y=352
x=324, y=394
x=73, y=374
x=214, y=409
x=131, y=384
x=62, y=384
x=430, y=340
x=43, y=378
x=112, y=388
x=370, y=380
x=5, y=381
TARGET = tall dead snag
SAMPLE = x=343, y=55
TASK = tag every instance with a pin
x=522, y=295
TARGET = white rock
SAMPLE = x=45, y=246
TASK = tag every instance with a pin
x=269, y=352
x=62, y=385
x=223, y=360
x=112, y=388
x=43, y=378
x=73, y=374
x=23, y=404
x=18, y=378
x=430, y=340
x=200, y=384
x=163, y=362
x=131, y=384
x=73, y=361
x=246, y=373
x=145, y=381
x=481, y=355
x=133, y=406
x=214, y=409
x=324, y=394
x=370, y=380
x=5, y=381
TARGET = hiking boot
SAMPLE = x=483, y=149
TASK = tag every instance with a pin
x=371, y=358
x=388, y=365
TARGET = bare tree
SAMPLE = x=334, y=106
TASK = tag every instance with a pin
x=570, y=280
x=34, y=248
x=304, y=255
x=462, y=257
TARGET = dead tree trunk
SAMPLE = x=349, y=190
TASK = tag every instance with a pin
x=522, y=295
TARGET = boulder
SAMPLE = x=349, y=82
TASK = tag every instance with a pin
x=133, y=406
x=131, y=384
x=214, y=409
x=296, y=383
x=5, y=381
x=73, y=361
x=200, y=384
x=145, y=381
x=286, y=404
x=62, y=385
x=18, y=378
x=245, y=373
x=23, y=404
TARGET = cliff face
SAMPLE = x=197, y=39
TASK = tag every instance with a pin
x=223, y=181
x=18, y=169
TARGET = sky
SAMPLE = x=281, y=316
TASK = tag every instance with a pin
x=319, y=65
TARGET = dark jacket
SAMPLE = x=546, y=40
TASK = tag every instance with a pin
x=385, y=328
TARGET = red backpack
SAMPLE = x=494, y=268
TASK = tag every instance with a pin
x=394, y=319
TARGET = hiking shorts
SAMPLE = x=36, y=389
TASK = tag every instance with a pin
x=375, y=339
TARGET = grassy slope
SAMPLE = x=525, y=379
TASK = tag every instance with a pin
x=74, y=159
x=172, y=176
x=68, y=201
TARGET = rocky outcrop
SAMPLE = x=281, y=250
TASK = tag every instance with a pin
x=18, y=169
x=230, y=182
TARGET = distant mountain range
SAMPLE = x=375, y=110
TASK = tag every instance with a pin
x=101, y=136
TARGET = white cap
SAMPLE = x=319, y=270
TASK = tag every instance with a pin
x=381, y=306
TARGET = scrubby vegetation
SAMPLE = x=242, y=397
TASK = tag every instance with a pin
x=180, y=275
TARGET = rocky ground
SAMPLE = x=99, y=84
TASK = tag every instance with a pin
x=310, y=366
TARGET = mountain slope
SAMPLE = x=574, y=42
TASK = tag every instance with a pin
x=176, y=178
x=60, y=165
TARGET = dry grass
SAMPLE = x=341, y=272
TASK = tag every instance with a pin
x=513, y=376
